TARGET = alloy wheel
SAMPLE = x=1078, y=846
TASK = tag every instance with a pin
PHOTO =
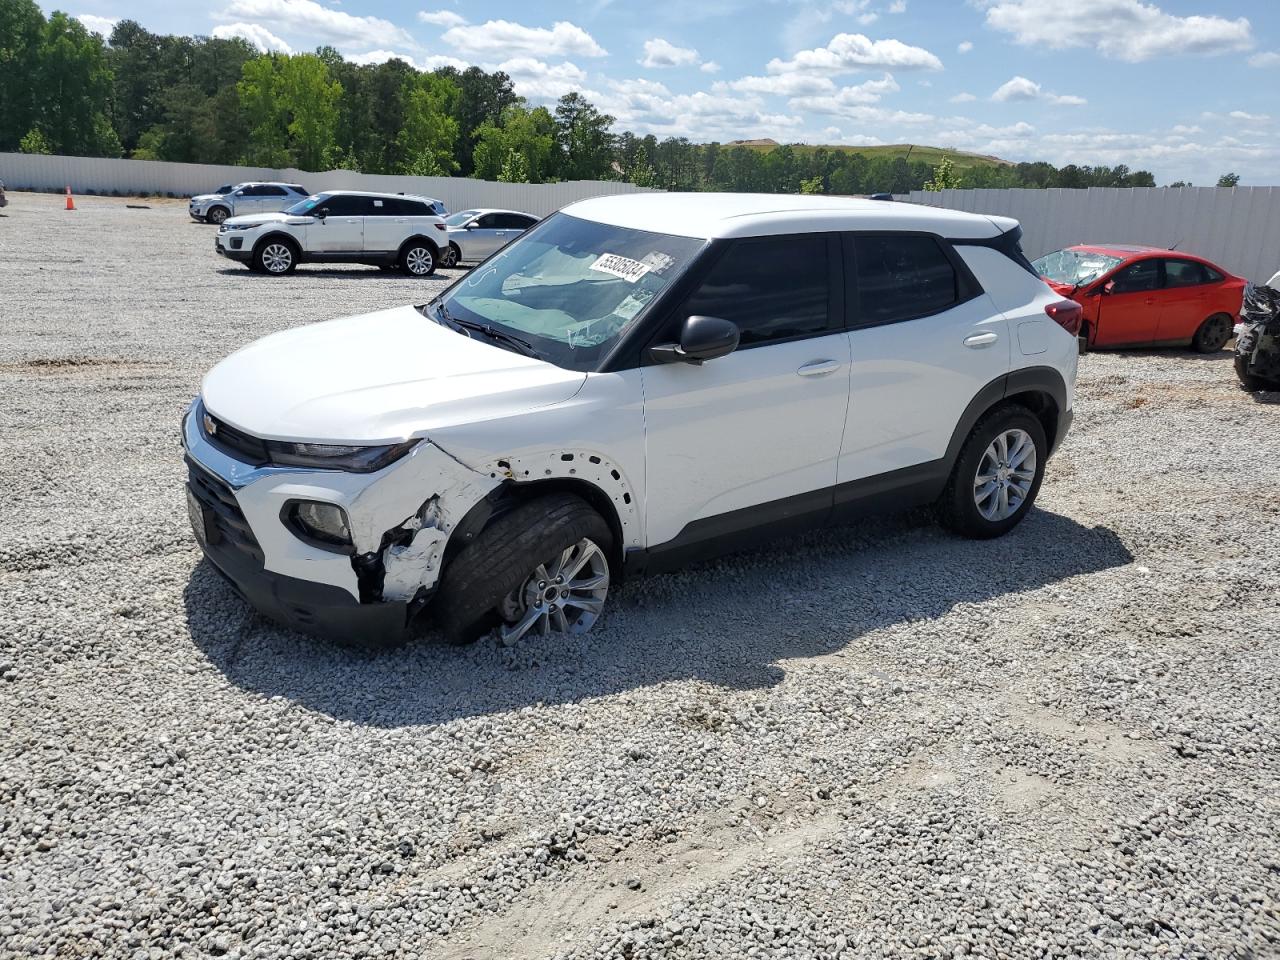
x=1005, y=475
x=419, y=261
x=562, y=596
x=277, y=258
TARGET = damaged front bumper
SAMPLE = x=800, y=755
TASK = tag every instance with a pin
x=400, y=520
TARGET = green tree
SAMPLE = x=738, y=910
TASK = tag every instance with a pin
x=945, y=177
x=584, y=138
x=1229, y=180
x=310, y=98
x=641, y=172
x=430, y=132
x=266, y=115
x=72, y=89
x=529, y=133
x=35, y=142
x=811, y=186
x=21, y=30
x=482, y=99
x=515, y=169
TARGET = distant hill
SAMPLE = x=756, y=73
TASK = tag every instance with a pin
x=929, y=155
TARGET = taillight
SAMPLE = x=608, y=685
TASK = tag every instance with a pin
x=1067, y=314
x=440, y=226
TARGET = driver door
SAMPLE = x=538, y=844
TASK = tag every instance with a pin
x=341, y=230
x=751, y=439
x=1129, y=307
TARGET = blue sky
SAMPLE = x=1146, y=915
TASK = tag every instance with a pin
x=1185, y=88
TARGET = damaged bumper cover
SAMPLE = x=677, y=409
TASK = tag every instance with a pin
x=400, y=519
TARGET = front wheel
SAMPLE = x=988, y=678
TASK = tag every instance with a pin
x=1213, y=334
x=217, y=214
x=450, y=256
x=418, y=260
x=997, y=475
x=542, y=569
x=275, y=257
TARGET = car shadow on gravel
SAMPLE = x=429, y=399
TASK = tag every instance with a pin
x=728, y=623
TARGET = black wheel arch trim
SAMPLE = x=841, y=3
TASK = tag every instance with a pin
x=419, y=238
x=293, y=243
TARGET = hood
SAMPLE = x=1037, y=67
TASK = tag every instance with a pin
x=252, y=219
x=206, y=197
x=378, y=378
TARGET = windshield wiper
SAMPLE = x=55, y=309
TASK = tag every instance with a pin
x=493, y=333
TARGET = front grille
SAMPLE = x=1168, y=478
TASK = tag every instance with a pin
x=232, y=528
x=236, y=443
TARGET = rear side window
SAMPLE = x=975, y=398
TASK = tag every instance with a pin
x=773, y=288
x=269, y=191
x=345, y=205
x=1185, y=273
x=902, y=276
x=1137, y=278
x=513, y=221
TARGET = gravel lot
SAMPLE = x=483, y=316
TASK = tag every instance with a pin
x=876, y=742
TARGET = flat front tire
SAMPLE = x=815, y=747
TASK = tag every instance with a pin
x=541, y=569
x=997, y=475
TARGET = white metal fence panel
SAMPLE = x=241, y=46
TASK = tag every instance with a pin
x=1238, y=228
x=22, y=171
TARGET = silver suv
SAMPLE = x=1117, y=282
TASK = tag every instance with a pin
x=234, y=200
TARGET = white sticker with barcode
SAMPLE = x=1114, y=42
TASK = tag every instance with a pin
x=624, y=268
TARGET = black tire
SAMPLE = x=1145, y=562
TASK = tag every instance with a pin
x=1213, y=334
x=957, y=508
x=450, y=256
x=418, y=258
x=1248, y=381
x=499, y=560
x=275, y=257
x=217, y=214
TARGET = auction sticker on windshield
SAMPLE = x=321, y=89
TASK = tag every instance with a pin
x=624, y=268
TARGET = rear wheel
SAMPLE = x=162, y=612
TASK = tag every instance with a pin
x=1248, y=381
x=217, y=214
x=1213, y=334
x=418, y=259
x=275, y=257
x=541, y=569
x=997, y=475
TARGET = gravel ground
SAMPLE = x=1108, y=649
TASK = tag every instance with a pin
x=875, y=742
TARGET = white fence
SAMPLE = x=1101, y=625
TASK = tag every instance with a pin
x=22, y=171
x=1238, y=228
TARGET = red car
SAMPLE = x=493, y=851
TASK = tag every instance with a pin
x=1146, y=296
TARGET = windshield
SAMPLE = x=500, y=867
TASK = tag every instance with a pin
x=303, y=207
x=458, y=219
x=571, y=287
x=1075, y=267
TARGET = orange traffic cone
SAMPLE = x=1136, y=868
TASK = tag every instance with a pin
x=71, y=204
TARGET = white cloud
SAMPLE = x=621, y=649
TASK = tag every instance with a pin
x=502, y=38
x=442, y=18
x=257, y=35
x=964, y=46
x=710, y=67
x=867, y=19
x=1242, y=115
x=1268, y=58
x=1020, y=88
x=782, y=85
x=848, y=52
x=541, y=81
x=309, y=18
x=898, y=6
x=1183, y=130
x=1121, y=29
x=96, y=24
x=963, y=98
x=661, y=53
x=645, y=106
x=378, y=56
x=439, y=60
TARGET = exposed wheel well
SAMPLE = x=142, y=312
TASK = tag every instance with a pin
x=1043, y=405
x=511, y=494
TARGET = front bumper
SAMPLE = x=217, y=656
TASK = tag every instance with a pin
x=238, y=507
x=222, y=244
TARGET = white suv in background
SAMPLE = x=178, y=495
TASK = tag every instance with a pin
x=388, y=230
x=241, y=198
x=636, y=382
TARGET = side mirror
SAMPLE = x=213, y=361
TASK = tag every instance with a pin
x=701, y=339
x=1109, y=287
x=471, y=225
x=321, y=213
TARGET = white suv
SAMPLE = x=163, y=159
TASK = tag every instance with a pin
x=635, y=382
x=389, y=230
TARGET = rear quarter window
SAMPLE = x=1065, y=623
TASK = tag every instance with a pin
x=901, y=277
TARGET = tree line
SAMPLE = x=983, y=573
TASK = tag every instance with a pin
x=210, y=100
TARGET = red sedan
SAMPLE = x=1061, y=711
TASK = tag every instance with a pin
x=1146, y=296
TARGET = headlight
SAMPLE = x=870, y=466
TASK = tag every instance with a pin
x=332, y=456
x=322, y=524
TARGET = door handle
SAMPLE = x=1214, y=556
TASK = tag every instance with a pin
x=500, y=234
x=979, y=340
x=819, y=368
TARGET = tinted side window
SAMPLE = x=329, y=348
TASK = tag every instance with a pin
x=901, y=277
x=252, y=191
x=1212, y=275
x=1141, y=276
x=1184, y=273
x=773, y=288
x=488, y=222
x=344, y=205
x=382, y=207
x=513, y=221
x=272, y=192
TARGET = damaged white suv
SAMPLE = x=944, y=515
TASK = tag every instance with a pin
x=635, y=382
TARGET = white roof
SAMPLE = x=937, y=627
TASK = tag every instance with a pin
x=715, y=215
